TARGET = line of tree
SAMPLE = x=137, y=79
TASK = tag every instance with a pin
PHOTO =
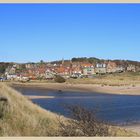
x=96, y=60
x=3, y=67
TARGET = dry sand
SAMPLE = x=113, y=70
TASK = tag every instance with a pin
x=126, y=90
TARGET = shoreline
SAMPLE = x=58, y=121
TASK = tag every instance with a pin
x=123, y=90
x=120, y=90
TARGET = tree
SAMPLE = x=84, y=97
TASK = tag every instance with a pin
x=3, y=67
x=41, y=61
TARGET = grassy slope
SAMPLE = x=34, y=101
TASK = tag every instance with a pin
x=23, y=118
x=119, y=79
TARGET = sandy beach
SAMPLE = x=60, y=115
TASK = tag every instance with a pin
x=38, y=97
x=124, y=90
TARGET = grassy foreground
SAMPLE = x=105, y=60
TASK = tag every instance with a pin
x=20, y=117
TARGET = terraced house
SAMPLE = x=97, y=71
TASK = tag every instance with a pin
x=101, y=68
x=88, y=69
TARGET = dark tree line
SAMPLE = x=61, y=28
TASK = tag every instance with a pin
x=3, y=67
x=85, y=59
x=96, y=60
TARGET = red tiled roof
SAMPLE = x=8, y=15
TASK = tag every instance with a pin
x=86, y=65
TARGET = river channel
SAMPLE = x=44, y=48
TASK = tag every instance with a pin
x=113, y=108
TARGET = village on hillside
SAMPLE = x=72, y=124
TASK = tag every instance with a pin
x=64, y=68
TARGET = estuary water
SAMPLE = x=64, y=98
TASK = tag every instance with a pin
x=113, y=108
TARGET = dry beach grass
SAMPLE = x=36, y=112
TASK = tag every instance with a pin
x=23, y=118
x=116, y=79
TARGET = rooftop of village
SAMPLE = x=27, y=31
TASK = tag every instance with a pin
x=74, y=68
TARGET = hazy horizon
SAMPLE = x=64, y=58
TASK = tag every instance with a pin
x=49, y=32
x=62, y=60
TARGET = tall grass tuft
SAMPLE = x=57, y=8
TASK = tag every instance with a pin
x=20, y=117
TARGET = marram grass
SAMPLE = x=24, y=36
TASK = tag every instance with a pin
x=20, y=117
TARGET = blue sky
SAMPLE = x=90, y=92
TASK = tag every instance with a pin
x=34, y=32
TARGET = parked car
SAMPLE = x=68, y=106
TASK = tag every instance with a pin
x=1, y=79
x=76, y=75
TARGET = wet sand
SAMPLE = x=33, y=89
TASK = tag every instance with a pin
x=125, y=90
x=38, y=97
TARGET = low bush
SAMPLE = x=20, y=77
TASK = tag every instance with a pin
x=84, y=123
x=59, y=79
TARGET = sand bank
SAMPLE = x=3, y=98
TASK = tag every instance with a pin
x=125, y=90
x=38, y=97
